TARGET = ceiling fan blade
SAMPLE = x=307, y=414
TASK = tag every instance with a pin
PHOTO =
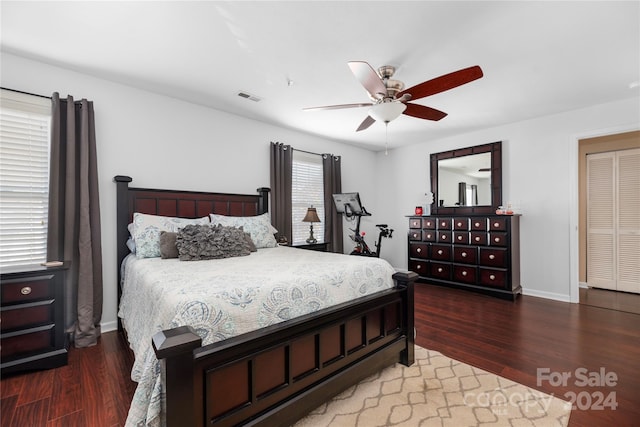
x=340, y=106
x=368, y=77
x=368, y=121
x=442, y=83
x=423, y=112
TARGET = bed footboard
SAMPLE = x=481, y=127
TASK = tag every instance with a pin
x=276, y=375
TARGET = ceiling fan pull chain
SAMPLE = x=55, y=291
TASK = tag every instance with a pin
x=386, y=138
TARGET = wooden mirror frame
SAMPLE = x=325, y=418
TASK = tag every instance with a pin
x=495, y=148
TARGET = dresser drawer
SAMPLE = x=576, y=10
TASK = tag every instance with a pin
x=28, y=315
x=25, y=290
x=461, y=224
x=479, y=224
x=419, y=250
x=499, y=224
x=440, y=270
x=428, y=223
x=493, y=257
x=415, y=223
x=464, y=254
x=444, y=237
x=478, y=238
x=36, y=340
x=464, y=273
x=420, y=267
x=441, y=252
x=415, y=235
x=498, y=238
x=428, y=235
x=444, y=224
x=493, y=277
x=461, y=237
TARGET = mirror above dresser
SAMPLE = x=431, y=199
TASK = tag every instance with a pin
x=467, y=180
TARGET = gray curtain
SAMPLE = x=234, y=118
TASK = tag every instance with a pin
x=281, y=177
x=462, y=194
x=74, y=215
x=332, y=185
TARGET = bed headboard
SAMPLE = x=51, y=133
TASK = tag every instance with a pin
x=179, y=203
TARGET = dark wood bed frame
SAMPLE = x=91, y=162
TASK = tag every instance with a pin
x=278, y=374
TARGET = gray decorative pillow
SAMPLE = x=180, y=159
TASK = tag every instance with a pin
x=168, y=248
x=250, y=244
x=199, y=242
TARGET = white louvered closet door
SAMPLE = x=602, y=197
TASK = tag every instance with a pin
x=613, y=220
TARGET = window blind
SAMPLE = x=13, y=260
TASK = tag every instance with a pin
x=25, y=122
x=307, y=189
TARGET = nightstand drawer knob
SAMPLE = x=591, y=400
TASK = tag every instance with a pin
x=439, y=269
x=418, y=267
x=492, y=256
x=492, y=277
x=419, y=250
x=26, y=290
x=464, y=273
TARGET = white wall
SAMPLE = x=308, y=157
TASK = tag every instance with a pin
x=539, y=173
x=165, y=143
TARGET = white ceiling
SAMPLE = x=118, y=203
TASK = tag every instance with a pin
x=538, y=58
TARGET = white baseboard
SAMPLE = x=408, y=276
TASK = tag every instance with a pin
x=547, y=295
x=109, y=326
x=583, y=285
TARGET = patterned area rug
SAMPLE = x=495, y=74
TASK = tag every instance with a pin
x=439, y=391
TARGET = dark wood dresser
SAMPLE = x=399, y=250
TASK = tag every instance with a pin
x=32, y=319
x=475, y=252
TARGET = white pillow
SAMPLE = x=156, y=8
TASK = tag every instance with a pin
x=259, y=227
x=147, y=228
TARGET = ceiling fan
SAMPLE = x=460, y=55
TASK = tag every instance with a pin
x=389, y=99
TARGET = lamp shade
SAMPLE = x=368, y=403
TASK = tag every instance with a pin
x=311, y=216
x=387, y=111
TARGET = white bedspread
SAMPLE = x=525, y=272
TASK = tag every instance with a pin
x=229, y=297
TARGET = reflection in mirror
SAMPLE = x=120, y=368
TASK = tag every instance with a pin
x=465, y=181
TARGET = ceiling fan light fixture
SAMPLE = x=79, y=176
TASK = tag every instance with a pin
x=387, y=111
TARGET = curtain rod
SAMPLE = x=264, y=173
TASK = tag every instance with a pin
x=26, y=93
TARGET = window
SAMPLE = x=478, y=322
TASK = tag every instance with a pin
x=307, y=189
x=25, y=122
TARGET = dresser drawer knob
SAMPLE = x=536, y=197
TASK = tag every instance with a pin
x=419, y=250
x=492, y=256
x=444, y=237
x=415, y=235
x=477, y=238
x=464, y=273
x=496, y=224
x=440, y=252
x=497, y=239
x=492, y=277
x=464, y=254
x=439, y=269
x=442, y=224
x=418, y=267
x=477, y=224
x=459, y=224
x=428, y=236
x=459, y=237
x=26, y=290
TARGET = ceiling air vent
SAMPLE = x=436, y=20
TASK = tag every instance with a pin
x=246, y=95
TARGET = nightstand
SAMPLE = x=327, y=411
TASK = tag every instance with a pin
x=322, y=247
x=32, y=314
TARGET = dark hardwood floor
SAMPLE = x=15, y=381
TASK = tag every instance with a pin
x=512, y=339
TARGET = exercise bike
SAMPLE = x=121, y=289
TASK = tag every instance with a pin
x=349, y=205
